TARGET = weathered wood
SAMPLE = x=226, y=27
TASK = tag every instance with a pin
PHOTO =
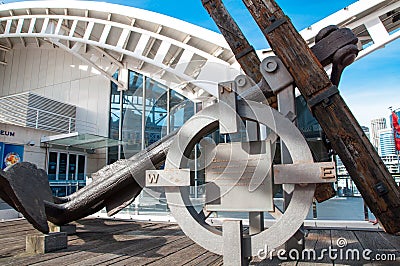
x=205, y=259
x=109, y=242
x=250, y=63
x=46, y=243
x=364, y=165
x=240, y=46
x=352, y=243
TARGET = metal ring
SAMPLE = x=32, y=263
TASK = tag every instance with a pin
x=178, y=198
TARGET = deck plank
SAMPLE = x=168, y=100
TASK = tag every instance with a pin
x=318, y=240
x=378, y=245
x=154, y=253
x=180, y=256
x=108, y=244
x=207, y=258
x=116, y=242
x=348, y=248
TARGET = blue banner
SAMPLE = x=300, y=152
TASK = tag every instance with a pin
x=1, y=153
x=12, y=154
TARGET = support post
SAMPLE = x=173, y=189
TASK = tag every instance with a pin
x=45, y=243
x=364, y=165
x=232, y=231
x=256, y=222
x=70, y=229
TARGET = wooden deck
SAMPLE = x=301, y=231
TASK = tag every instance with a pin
x=113, y=242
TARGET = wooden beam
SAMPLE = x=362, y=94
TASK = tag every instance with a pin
x=250, y=63
x=363, y=163
x=244, y=52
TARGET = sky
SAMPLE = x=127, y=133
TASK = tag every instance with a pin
x=369, y=86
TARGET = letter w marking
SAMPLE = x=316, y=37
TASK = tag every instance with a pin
x=153, y=178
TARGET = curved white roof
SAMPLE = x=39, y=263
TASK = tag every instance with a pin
x=375, y=22
x=182, y=55
x=168, y=49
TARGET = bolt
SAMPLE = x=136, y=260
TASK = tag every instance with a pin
x=241, y=81
x=270, y=66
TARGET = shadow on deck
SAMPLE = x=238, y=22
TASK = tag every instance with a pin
x=105, y=242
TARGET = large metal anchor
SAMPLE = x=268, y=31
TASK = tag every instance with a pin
x=26, y=188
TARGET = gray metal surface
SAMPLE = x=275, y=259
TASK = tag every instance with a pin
x=323, y=172
x=256, y=222
x=233, y=246
x=193, y=224
x=169, y=177
x=230, y=174
x=229, y=121
x=275, y=73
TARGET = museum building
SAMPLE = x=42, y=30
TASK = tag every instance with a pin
x=84, y=83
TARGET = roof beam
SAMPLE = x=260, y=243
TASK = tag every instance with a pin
x=7, y=39
x=66, y=23
x=101, y=51
x=98, y=49
x=151, y=43
x=28, y=11
x=121, y=57
x=85, y=46
x=185, y=41
x=11, y=12
x=82, y=58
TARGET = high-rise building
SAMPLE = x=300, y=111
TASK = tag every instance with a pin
x=376, y=125
x=386, y=142
x=366, y=131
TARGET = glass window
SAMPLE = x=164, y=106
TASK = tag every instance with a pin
x=52, y=167
x=181, y=109
x=155, y=111
x=152, y=112
x=115, y=113
x=62, y=170
x=71, y=188
x=133, y=111
x=72, y=167
x=59, y=191
x=81, y=167
x=112, y=154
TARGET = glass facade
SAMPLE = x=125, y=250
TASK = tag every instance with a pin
x=143, y=114
x=140, y=116
x=312, y=131
x=66, y=172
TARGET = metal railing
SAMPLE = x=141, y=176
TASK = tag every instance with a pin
x=38, y=112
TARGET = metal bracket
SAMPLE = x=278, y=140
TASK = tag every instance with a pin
x=275, y=74
x=304, y=173
x=229, y=120
x=275, y=24
x=245, y=52
x=168, y=177
x=323, y=97
x=381, y=189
